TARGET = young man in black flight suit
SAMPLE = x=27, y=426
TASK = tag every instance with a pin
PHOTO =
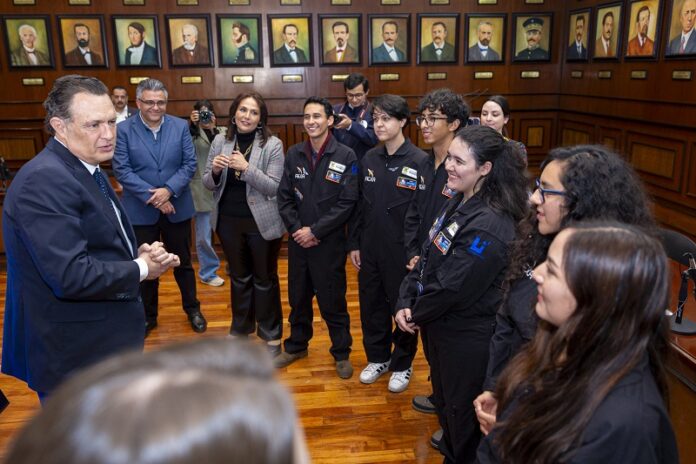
x=442, y=112
x=316, y=197
x=388, y=180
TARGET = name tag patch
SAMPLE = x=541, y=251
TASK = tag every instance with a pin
x=333, y=176
x=452, y=229
x=403, y=182
x=442, y=243
x=409, y=172
x=448, y=192
x=337, y=166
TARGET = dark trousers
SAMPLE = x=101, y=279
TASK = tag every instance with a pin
x=320, y=271
x=255, y=290
x=176, y=237
x=379, y=279
x=458, y=351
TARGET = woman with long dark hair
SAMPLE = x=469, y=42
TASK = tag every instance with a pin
x=454, y=291
x=577, y=183
x=244, y=169
x=590, y=386
x=495, y=113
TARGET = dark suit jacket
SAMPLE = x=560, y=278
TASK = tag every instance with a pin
x=475, y=54
x=282, y=56
x=140, y=163
x=675, y=43
x=72, y=285
x=572, y=52
x=182, y=56
x=428, y=53
x=350, y=55
x=149, y=58
x=75, y=58
x=20, y=57
x=380, y=54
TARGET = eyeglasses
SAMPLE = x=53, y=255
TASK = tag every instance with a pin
x=353, y=96
x=543, y=192
x=151, y=103
x=429, y=120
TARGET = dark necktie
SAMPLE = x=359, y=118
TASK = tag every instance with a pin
x=101, y=182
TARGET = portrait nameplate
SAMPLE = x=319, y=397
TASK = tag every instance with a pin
x=483, y=75
x=604, y=74
x=243, y=79
x=437, y=76
x=33, y=81
x=576, y=74
x=137, y=80
x=530, y=74
x=389, y=77
x=191, y=79
x=291, y=78
x=681, y=75
x=339, y=77
x=639, y=74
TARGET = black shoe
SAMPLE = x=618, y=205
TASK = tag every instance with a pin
x=198, y=322
x=149, y=327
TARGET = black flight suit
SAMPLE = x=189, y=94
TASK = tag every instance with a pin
x=516, y=324
x=453, y=294
x=322, y=199
x=387, y=186
x=631, y=424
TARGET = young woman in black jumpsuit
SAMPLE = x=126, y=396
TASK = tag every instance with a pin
x=455, y=289
x=590, y=387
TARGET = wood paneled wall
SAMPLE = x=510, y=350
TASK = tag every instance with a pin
x=650, y=120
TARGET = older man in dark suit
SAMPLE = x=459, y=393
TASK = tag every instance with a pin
x=155, y=161
x=685, y=42
x=82, y=55
x=439, y=49
x=387, y=52
x=577, y=50
x=27, y=54
x=191, y=52
x=73, y=269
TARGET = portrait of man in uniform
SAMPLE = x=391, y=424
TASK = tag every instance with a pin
x=291, y=40
x=608, y=31
x=682, y=40
x=531, y=40
x=189, y=41
x=438, y=39
x=578, y=28
x=389, y=39
x=137, y=40
x=340, y=39
x=643, y=20
x=28, y=41
x=239, y=42
x=82, y=41
x=485, y=38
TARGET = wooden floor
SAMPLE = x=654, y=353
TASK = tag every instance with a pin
x=345, y=421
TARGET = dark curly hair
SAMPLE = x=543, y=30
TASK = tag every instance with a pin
x=599, y=185
x=449, y=103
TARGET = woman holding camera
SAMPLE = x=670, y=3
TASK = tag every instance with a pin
x=244, y=170
x=202, y=125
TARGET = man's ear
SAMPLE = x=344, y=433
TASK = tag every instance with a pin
x=59, y=126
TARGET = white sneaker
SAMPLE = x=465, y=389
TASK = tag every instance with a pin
x=373, y=371
x=399, y=380
x=214, y=281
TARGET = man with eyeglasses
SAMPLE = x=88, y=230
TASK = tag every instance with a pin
x=155, y=161
x=388, y=181
x=442, y=112
x=354, y=126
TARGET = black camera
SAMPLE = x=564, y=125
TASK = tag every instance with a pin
x=205, y=116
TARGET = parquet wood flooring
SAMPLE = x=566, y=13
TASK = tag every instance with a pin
x=344, y=420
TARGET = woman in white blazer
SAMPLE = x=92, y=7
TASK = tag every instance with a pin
x=244, y=170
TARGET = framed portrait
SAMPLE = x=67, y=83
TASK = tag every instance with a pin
x=136, y=39
x=531, y=40
x=607, y=42
x=290, y=39
x=28, y=41
x=438, y=38
x=190, y=40
x=389, y=38
x=643, y=21
x=239, y=40
x=578, y=32
x=485, y=38
x=82, y=41
x=680, y=42
x=339, y=42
